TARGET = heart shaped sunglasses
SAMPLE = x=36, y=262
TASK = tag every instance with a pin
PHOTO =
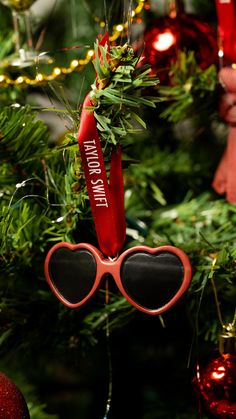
x=151, y=279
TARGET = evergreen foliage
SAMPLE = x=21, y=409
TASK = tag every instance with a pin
x=172, y=139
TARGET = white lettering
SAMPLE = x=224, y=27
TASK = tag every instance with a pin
x=98, y=189
x=103, y=202
x=95, y=182
x=93, y=165
x=89, y=141
x=99, y=193
x=94, y=171
x=92, y=154
x=89, y=147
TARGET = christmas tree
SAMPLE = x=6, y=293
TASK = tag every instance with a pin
x=162, y=88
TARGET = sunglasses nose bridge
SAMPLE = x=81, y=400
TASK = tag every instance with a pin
x=107, y=266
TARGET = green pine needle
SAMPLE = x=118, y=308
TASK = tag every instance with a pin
x=119, y=92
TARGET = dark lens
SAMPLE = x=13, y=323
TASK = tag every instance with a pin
x=152, y=280
x=72, y=272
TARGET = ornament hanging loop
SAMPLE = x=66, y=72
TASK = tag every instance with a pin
x=175, y=7
x=227, y=327
x=227, y=340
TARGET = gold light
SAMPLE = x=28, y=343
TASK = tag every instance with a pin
x=75, y=65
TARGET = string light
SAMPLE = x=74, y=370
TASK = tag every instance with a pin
x=75, y=65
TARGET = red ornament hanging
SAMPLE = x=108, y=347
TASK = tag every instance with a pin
x=224, y=178
x=12, y=402
x=151, y=279
x=224, y=181
x=216, y=383
x=166, y=36
x=226, y=15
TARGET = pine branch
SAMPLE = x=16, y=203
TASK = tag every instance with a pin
x=23, y=139
x=42, y=193
x=204, y=228
x=192, y=91
x=119, y=93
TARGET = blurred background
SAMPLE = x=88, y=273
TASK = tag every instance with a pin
x=69, y=363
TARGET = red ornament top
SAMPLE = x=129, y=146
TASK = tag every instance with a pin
x=12, y=402
x=166, y=36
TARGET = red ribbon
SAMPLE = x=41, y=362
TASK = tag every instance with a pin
x=106, y=199
x=226, y=14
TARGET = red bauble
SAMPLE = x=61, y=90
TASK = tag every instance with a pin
x=167, y=36
x=12, y=402
x=216, y=383
x=217, y=387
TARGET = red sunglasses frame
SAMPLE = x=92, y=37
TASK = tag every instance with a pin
x=113, y=267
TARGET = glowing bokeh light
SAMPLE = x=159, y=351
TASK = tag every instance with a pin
x=164, y=41
x=219, y=374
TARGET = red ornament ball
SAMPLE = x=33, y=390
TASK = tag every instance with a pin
x=217, y=387
x=166, y=36
x=12, y=402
